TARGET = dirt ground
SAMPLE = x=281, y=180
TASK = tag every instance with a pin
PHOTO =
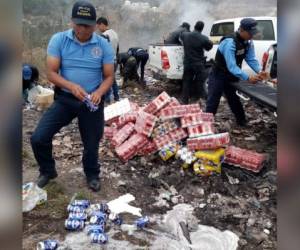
x=237, y=200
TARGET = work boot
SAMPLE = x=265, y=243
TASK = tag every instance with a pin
x=94, y=184
x=44, y=179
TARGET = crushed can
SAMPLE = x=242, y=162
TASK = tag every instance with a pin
x=74, y=225
x=95, y=229
x=142, y=222
x=100, y=238
x=47, y=245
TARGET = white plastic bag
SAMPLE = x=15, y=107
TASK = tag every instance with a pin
x=40, y=96
x=32, y=195
x=202, y=237
x=120, y=205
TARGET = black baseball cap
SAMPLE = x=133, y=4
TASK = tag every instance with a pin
x=249, y=25
x=84, y=12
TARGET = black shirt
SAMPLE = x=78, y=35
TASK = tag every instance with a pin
x=194, y=44
x=174, y=36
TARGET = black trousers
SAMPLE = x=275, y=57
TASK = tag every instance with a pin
x=141, y=59
x=91, y=124
x=218, y=84
x=194, y=76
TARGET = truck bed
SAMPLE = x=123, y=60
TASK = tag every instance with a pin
x=259, y=92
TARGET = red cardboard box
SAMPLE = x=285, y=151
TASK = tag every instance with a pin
x=179, y=111
x=208, y=142
x=129, y=148
x=122, y=134
x=195, y=119
x=158, y=103
x=145, y=123
x=246, y=159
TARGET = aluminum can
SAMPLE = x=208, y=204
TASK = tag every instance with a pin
x=142, y=222
x=74, y=225
x=100, y=238
x=81, y=203
x=95, y=229
x=75, y=209
x=77, y=216
x=47, y=245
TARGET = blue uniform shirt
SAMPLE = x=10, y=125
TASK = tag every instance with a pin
x=81, y=63
x=227, y=48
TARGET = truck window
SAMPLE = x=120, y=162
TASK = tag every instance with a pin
x=222, y=29
x=266, y=31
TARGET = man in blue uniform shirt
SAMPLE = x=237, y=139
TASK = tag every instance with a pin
x=233, y=49
x=79, y=63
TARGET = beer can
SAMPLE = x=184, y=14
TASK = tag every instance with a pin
x=95, y=229
x=74, y=225
x=81, y=203
x=142, y=222
x=98, y=217
x=117, y=220
x=47, y=245
x=100, y=238
x=75, y=209
x=77, y=216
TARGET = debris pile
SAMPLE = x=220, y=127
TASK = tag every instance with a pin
x=172, y=129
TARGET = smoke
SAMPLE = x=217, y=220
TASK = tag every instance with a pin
x=144, y=22
x=140, y=22
x=194, y=11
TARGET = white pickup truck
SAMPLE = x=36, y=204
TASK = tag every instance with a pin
x=167, y=60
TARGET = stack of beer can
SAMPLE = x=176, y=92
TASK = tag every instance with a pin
x=77, y=215
x=99, y=214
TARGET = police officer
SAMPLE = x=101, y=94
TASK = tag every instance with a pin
x=194, y=75
x=233, y=49
x=141, y=57
x=79, y=63
x=128, y=67
x=30, y=76
x=174, y=37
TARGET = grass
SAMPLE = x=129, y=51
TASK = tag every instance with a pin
x=28, y=156
x=57, y=201
x=83, y=195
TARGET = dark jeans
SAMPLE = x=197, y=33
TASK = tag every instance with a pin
x=218, y=84
x=193, y=82
x=114, y=88
x=64, y=109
